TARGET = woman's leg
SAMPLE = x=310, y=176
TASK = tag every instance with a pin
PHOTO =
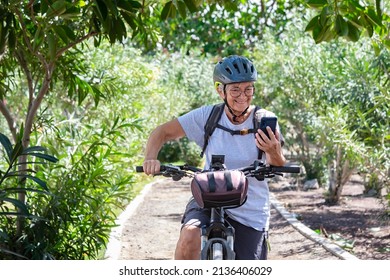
x=188, y=245
x=249, y=244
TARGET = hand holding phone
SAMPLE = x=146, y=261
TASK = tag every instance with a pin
x=268, y=121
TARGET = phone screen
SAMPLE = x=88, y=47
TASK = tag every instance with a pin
x=268, y=121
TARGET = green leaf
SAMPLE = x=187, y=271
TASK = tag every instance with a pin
x=34, y=149
x=7, y=145
x=323, y=35
x=169, y=11
x=341, y=26
x=44, y=156
x=17, y=203
x=325, y=16
x=44, y=7
x=57, y=8
x=69, y=32
x=38, y=181
x=130, y=19
x=35, y=179
x=191, y=5
x=61, y=33
x=38, y=38
x=16, y=151
x=362, y=21
x=51, y=41
x=12, y=253
x=353, y=33
x=129, y=6
x=317, y=3
x=314, y=22
x=182, y=9
x=373, y=17
x=18, y=190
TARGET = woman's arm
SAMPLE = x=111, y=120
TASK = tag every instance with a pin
x=166, y=132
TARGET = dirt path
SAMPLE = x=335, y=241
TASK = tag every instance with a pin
x=151, y=231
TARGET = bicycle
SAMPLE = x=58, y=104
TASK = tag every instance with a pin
x=217, y=238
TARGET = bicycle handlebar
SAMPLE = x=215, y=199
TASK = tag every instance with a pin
x=172, y=168
x=285, y=169
x=257, y=170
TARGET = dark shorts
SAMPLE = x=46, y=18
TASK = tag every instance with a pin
x=249, y=244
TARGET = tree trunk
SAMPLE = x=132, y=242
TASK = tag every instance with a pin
x=339, y=174
x=32, y=111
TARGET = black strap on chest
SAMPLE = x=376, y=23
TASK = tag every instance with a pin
x=212, y=124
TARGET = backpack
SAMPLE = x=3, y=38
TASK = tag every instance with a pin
x=212, y=124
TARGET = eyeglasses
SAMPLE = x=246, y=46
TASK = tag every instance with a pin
x=236, y=91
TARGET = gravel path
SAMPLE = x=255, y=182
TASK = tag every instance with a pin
x=149, y=228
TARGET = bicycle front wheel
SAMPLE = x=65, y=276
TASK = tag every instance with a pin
x=217, y=251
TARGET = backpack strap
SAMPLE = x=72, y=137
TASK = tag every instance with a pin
x=212, y=124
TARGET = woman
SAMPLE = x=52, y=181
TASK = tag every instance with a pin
x=234, y=78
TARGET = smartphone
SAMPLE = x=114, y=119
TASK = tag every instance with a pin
x=268, y=121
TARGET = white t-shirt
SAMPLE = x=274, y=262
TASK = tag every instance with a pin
x=239, y=151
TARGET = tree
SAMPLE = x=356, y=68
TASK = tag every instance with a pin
x=234, y=26
x=349, y=19
x=39, y=40
x=219, y=30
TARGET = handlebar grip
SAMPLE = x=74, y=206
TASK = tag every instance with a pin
x=286, y=169
x=139, y=169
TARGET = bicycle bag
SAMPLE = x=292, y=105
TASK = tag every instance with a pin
x=219, y=188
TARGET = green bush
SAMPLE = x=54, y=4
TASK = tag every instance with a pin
x=17, y=216
x=181, y=151
x=332, y=98
x=87, y=190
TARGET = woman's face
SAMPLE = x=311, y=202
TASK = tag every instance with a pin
x=239, y=95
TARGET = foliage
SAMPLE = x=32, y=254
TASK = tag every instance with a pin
x=86, y=191
x=40, y=40
x=10, y=206
x=181, y=151
x=43, y=38
x=185, y=83
x=224, y=30
x=75, y=220
x=230, y=27
x=88, y=188
x=348, y=19
x=330, y=112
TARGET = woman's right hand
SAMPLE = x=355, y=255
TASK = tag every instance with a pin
x=151, y=166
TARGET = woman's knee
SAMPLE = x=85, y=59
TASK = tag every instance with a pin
x=188, y=245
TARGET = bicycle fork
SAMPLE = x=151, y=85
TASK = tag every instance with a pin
x=217, y=239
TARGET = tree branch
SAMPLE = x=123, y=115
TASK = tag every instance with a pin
x=81, y=39
x=9, y=118
x=35, y=103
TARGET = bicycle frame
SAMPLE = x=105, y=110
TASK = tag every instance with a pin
x=217, y=239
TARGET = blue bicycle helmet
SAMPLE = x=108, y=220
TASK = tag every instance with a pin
x=234, y=69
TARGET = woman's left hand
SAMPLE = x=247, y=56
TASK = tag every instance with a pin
x=270, y=146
